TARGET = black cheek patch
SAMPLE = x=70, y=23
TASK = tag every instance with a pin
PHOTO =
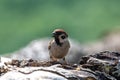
x=57, y=41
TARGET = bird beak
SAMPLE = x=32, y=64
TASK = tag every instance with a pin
x=53, y=34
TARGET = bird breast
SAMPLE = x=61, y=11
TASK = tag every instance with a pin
x=59, y=51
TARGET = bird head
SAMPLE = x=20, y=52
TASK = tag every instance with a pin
x=60, y=34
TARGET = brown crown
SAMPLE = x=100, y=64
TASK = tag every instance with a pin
x=60, y=31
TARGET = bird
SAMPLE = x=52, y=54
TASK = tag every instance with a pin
x=59, y=46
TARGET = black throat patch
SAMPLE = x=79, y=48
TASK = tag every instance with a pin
x=58, y=41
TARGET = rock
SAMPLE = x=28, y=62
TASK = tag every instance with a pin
x=52, y=72
x=38, y=50
x=100, y=66
x=110, y=41
x=107, y=62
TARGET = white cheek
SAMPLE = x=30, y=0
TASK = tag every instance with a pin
x=63, y=40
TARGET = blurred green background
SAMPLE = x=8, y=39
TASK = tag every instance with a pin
x=22, y=21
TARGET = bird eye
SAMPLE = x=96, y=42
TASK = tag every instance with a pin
x=63, y=37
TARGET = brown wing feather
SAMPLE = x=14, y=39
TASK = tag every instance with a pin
x=49, y=46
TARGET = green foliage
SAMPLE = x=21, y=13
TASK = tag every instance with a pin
x=22, y=21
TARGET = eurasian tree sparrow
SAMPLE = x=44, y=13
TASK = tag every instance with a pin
x=59, y=46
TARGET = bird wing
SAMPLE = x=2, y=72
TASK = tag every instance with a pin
x=49, y=46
